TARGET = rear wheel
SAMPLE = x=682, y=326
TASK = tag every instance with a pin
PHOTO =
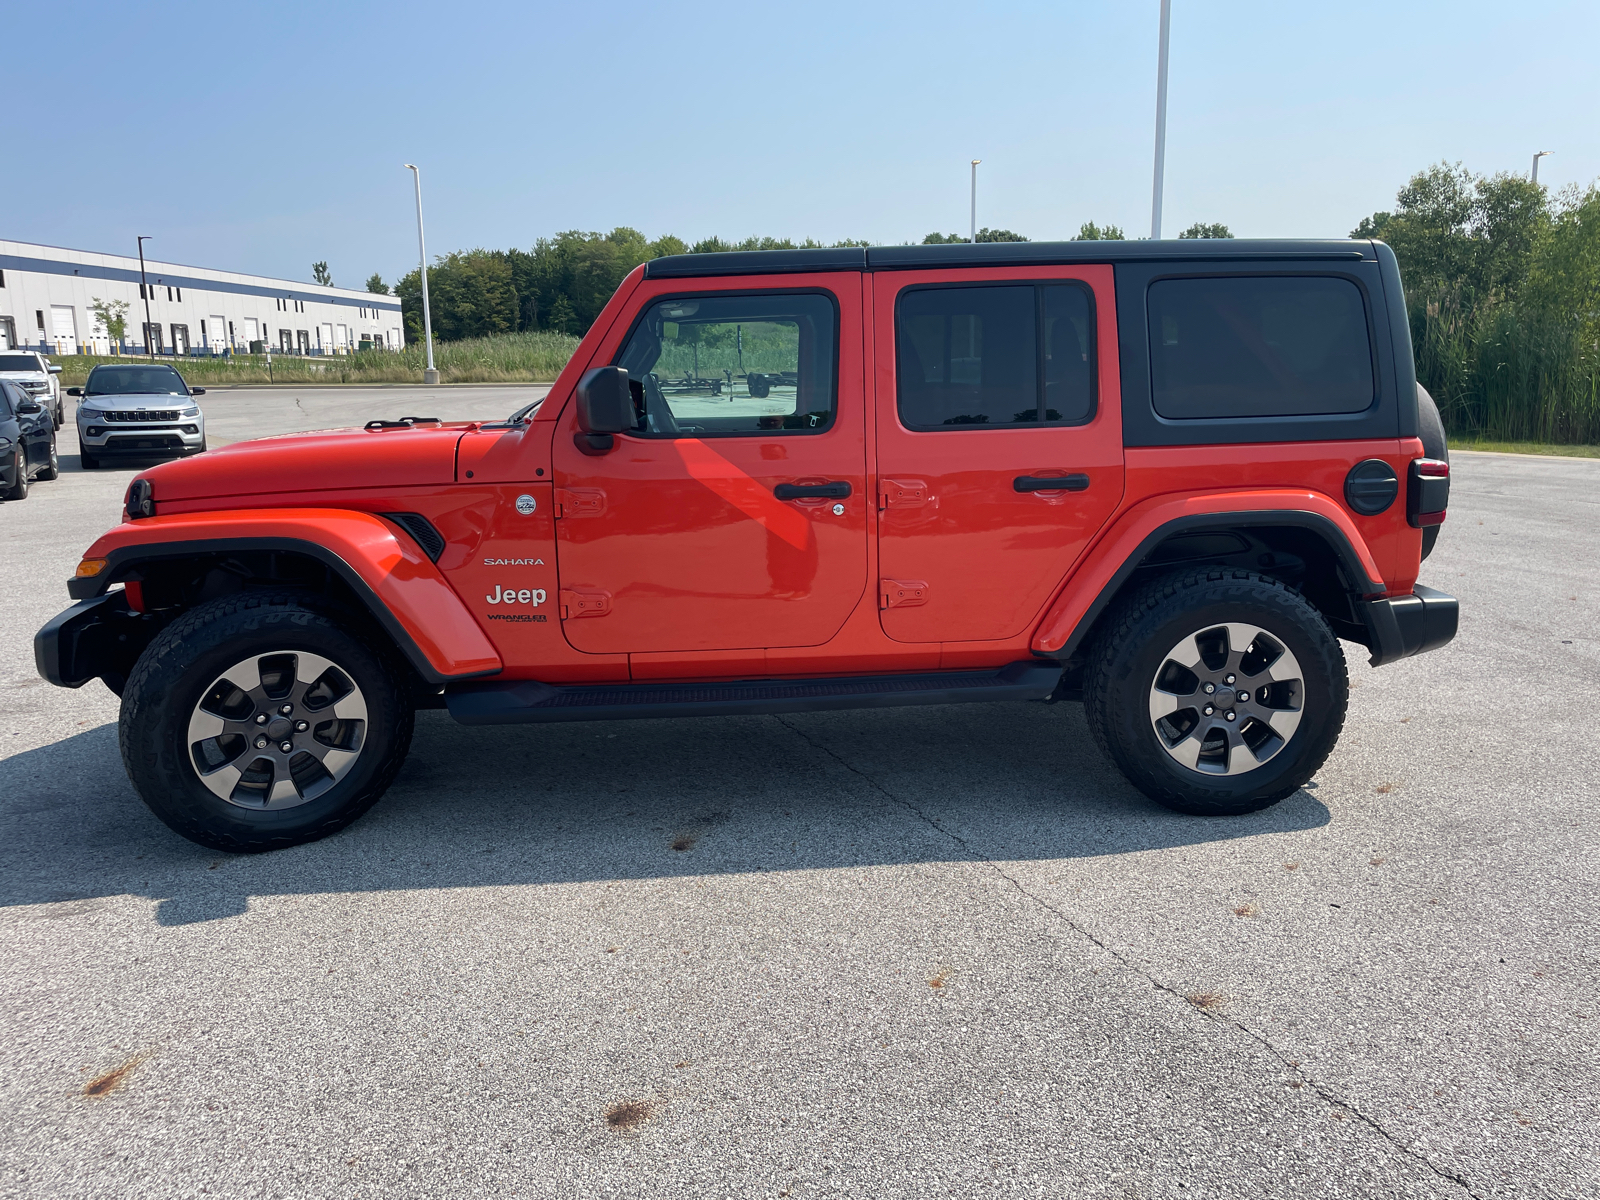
x=19, y=468
x=1217, y=691
x=52, y=469
x=1430, y=428
x=257, y=722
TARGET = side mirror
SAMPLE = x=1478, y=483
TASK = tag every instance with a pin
x=53, y=369
x=29, y=407
x=74, y=391
x=197, y=391
x=605, y=407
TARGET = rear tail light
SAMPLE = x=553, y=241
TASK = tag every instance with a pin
x=1428, y=492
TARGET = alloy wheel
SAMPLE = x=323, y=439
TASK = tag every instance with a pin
x=1226, y=699
x=277, y=730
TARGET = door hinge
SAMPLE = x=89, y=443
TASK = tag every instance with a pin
x=901, y=492
x=901, y=593
x=580, y=502
x=584, y=602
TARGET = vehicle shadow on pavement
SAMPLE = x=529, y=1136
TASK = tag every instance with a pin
x=633, y=800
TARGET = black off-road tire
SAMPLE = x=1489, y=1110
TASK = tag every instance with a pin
x=1126, y=656
x=1430, y=428
x=176, y=669
x=86, y=460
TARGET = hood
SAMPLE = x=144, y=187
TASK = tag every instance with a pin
x=24, y=375
x=328, y=460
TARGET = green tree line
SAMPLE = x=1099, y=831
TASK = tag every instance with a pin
x=1503, y=290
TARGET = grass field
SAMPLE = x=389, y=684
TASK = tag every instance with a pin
x=1547, y=448
x=533, y=357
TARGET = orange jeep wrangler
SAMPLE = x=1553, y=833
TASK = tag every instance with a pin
x=1162, y=478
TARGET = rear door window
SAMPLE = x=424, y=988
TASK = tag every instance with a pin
x=1259, y=346
x=993, y=357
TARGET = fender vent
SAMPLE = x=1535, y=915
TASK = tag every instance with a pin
x=422, y=531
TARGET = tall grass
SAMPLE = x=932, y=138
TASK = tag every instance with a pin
x=1505, y=373
x=536, y=356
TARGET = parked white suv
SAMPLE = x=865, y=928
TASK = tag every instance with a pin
x=36, y=375
x=137, y=410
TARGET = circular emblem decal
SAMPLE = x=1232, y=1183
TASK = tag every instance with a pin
x=526, y=504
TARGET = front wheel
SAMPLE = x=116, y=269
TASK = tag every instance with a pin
x=258, y=721
x=1217, y=691
x=19, y=468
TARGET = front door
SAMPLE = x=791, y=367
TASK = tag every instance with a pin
x=734, y=515
x=999, y=443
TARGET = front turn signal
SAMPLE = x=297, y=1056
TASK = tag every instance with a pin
x=90, y=567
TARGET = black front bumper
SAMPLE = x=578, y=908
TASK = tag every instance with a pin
x=98, y=638
x=1402, y=626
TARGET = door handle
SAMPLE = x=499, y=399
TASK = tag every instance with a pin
x=812, y=491
x=1050, y=483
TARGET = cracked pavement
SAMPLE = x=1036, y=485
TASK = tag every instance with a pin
x=860, y=954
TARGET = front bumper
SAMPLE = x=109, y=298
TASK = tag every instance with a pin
x=142, y=441
x=1402, y=626
x=95, y=638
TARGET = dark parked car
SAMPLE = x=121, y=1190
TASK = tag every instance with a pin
x=27, y=441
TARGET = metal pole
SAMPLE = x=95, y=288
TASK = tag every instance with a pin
x=429, y=376
x=1536, y=159
x=975, y=163
x=1161, y=120
x=144, y=287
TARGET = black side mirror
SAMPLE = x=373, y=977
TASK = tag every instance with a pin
x=29, y=407
x=197, y=391
x=605, y=407
x=74, y=391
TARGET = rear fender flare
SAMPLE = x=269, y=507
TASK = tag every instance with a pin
x=388, y=572
x=1089, y=589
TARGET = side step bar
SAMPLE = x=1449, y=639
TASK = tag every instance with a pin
x=515, y=702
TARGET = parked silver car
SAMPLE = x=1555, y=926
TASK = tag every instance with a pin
x=36, y=375
x=137, y=410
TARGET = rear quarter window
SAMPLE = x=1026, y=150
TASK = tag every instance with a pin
x=1259, y=346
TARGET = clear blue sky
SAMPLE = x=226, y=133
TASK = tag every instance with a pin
x=261, y=137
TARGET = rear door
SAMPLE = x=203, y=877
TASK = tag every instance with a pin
x=999, y=442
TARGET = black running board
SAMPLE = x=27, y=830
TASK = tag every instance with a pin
x=514, y=702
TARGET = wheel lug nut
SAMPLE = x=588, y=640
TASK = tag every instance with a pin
x=1228, y=679
x=261, y=718
x=1210, y=708
x=301, y=726
x=1228, y=716
x=1209, y=688
x=261, y=743
x=288, y=746
x=289, y=708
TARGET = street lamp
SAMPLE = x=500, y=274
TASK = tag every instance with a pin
x=1161, y=120
x=975, y=163
x=1536, y=159
x=144, y=289
x=429, y=376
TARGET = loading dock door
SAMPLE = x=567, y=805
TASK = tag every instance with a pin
x=64, y=328
x=217, y=333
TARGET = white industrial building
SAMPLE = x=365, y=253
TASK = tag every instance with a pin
x=46, y=294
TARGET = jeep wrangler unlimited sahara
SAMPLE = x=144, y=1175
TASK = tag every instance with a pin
x=1165, y=478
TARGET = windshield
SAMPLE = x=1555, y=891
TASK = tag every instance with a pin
x=135, y=381
x=19, y=362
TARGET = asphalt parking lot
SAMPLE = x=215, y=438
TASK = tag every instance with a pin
x=901, y=953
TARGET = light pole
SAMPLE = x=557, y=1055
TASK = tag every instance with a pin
x=144, y=289
x=974, y=236
x=1536, y=159
x=429, y=376
x=1161, y=120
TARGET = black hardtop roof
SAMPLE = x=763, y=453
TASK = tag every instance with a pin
x=998, y=254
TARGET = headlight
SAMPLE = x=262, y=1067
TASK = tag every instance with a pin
x=88, y=406
x=192, y=411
